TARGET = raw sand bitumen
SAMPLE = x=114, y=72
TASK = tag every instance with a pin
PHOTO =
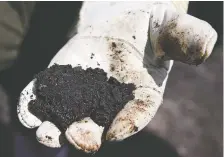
x=66, y=94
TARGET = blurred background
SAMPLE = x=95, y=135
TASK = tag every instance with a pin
x=188, y=124
x=191, y=117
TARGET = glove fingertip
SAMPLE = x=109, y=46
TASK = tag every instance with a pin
x=49, y=135
x=85, y=135
x=24, y=115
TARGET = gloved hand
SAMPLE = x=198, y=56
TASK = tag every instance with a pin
x=135, y=42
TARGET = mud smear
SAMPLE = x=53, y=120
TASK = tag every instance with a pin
x=66, y=94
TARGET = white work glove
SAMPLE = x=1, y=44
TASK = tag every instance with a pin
x=135, y=42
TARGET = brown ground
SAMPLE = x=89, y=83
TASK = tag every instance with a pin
x=191, y=115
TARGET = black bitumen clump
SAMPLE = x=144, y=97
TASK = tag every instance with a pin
x=66, y=94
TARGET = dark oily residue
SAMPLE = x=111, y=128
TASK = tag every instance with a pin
x=49, y=137
x=66, y=94
x=92, y=55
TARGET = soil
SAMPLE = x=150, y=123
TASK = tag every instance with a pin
x=66, y=94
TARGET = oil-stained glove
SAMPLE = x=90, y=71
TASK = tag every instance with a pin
x=135, y=42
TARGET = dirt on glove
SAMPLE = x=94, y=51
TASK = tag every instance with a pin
x=66, y=94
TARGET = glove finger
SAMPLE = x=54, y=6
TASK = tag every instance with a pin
x=49, y=135
x=135, y=115
x=182, y=37
x=195, y=39
x=85, y=135
x=24, y=115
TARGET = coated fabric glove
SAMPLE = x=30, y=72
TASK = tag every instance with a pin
x=135, y=42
